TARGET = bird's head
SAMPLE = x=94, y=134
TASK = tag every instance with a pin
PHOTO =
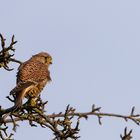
x=43, y=57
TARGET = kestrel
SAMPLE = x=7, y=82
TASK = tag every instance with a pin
x=32, y=76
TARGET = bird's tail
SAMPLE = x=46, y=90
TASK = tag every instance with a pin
x=17, y=105
x=18, y=100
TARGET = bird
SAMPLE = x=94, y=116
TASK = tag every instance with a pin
x=32, y=76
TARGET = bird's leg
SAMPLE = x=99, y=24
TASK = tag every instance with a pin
x=32, y=102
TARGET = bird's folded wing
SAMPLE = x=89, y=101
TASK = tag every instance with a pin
x=21, y=86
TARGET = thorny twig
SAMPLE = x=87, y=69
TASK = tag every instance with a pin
x=64, y=120
x=134, y=118
x=3, y=132
x=127, y=135
x=5, y=55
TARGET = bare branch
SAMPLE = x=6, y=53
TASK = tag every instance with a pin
x=5, y=54
x=127, y=135
x=63, y=120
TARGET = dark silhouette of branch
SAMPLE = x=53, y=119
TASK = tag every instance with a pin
x=36, y=115
x=96, y=112
x=127, y=136
x=5, y=54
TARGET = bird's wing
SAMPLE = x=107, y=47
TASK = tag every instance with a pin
x=33, y=71
x=21, y=86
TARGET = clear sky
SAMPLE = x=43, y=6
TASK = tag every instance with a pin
x=95, y=45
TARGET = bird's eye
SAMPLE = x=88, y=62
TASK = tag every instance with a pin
x=46, y=58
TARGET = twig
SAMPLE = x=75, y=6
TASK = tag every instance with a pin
x=5, y=54
x=127, y=135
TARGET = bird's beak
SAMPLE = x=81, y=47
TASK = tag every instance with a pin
x=50, y=60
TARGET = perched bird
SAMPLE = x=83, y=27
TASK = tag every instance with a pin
x=32, y=76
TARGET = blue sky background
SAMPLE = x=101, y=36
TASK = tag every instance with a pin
x=95, y=45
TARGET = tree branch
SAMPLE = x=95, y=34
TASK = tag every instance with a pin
x=5, y=54
x=134, y=118
x=127, y=135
